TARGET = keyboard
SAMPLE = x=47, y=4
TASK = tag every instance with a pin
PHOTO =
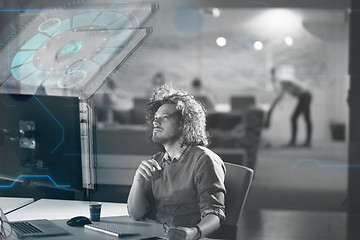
x=25, y=228
x=110, y=229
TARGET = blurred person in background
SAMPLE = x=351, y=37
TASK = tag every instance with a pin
x=301, y=92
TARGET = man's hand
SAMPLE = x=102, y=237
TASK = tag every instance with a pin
x=182, y=233
x=149, y=169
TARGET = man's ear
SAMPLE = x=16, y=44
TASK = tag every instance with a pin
x=180, y=129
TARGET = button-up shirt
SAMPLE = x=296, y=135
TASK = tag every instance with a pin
x=191, y=186
x=184, y=150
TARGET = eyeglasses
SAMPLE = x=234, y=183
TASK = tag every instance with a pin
x=5, y=229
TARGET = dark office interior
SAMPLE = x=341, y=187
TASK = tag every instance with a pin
x=231, y=46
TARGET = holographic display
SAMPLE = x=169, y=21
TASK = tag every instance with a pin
x=70, y=52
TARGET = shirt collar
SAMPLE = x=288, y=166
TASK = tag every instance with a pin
x=184, y=150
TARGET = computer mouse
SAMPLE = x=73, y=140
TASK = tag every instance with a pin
x=78, y=221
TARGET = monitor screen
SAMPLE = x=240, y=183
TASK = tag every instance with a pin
x=40, y=141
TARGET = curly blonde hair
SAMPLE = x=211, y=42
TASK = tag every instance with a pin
x=192, y=113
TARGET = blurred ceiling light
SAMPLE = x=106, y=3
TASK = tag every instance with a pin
x=258, y=45
x=275, y=23
x=282, y=18
x=216, y=12
x=221, y=42
x=288, y=41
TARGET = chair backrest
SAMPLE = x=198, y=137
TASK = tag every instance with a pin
x=238, y=180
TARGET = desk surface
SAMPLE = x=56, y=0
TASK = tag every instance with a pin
x=9, y=204
x=144, y=228
x=59, y=211
x=64, y=209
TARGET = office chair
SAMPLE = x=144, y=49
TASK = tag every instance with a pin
x=238, y=180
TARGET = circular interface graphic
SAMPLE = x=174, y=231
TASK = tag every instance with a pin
x=73, y=79
x=67, y=49
x=49, y=25
x=71, y=48
x=76, y=66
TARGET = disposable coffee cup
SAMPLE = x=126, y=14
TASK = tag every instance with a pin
x=95, y=211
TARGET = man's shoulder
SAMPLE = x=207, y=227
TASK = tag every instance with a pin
x=205, y=152
x=206, y=157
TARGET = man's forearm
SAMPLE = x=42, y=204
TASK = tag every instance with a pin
x=137, y=202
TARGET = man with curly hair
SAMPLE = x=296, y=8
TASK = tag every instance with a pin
x=182, y=186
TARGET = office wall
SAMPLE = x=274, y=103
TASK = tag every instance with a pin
x=319, y=57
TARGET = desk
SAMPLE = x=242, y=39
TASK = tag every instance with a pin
x=9, y=204
x=145, y=228
x=59, y=211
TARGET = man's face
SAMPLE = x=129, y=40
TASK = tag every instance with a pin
x=166, y=125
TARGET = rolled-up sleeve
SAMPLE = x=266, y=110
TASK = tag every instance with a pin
x=209, y=181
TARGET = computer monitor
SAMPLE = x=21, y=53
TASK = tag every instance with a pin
x=40, y=141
